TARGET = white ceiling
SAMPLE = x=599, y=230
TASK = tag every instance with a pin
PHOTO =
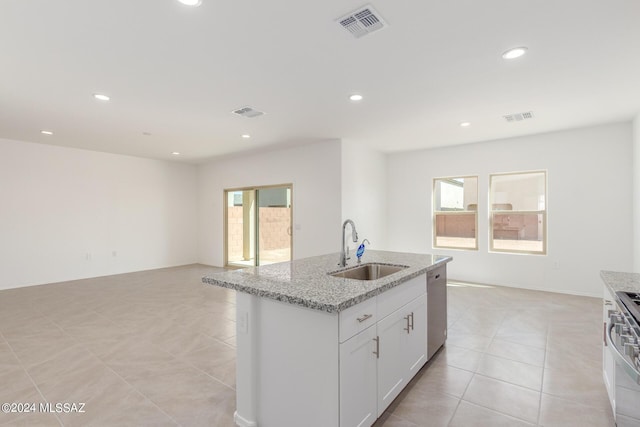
x=177, y=72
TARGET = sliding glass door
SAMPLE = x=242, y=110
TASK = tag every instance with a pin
x=258, y=225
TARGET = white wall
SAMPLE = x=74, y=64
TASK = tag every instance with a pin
x=60, y=204
x=314, y=171
x=364, y=192
x=589, y=206
x=636, y=194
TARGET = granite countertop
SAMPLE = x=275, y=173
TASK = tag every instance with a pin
x=619, y=281
x=305, y=282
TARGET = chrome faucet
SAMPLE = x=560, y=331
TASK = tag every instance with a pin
x=343, y=254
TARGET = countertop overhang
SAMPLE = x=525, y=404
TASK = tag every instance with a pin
x=620, y=281
x=306, y=282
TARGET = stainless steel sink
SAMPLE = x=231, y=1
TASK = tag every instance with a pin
x=370, y=271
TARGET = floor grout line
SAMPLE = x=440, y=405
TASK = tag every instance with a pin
x=30, y=377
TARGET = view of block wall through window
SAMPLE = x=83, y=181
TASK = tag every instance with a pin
x=518, y=215
x=455, y=212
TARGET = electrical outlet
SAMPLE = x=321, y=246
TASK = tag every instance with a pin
x=243, y=323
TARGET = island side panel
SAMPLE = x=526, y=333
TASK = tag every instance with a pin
x=295, y=365
x=247, y=329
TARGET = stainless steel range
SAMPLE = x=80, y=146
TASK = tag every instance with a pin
x=623, y=339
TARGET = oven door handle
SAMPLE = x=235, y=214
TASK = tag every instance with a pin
x=620, y=359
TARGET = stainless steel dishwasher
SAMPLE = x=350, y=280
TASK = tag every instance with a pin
x=436, y=309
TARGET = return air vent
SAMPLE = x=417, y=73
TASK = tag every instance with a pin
x=248, y=112
x=518, y=117
x=361, y=22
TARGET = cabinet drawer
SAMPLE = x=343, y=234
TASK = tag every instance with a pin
x=394, y=298
x=357, y=318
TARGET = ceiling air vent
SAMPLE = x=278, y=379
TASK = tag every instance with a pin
x=248, y=112
x=518, y=117
x=361, y=22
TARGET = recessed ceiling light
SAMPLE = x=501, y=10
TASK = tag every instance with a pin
x=175, y=153
x=465, y=124
x=101, y=97
x=46, y=132
x=246, y=136
x=356, y=97
x=514, y=53
x=191, y=2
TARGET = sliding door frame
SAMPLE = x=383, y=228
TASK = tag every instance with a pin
x=225, y=208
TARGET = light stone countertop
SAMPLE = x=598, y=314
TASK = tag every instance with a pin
x=305, y=282
x=619, y=281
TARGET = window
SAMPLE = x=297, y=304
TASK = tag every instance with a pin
x=518, y=212
x=455, y=212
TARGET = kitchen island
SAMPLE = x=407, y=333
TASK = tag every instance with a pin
x=318, y=350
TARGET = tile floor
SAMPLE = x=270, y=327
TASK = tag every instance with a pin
x=157, y=348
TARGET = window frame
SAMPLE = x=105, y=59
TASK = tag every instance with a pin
x=543, y=212
x=434, y=213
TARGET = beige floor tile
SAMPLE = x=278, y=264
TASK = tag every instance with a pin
x=518, y=352
x=462, y=358
x=426, y=408
x=189, y=396
x=509, y=399
x=393, y=421
x=16, y=387
x=471, y=327
x=510, y=371
x=572, y=360
x=35, y=419
x=75, y=375
x=529, y=339
x=218, y=360
x=582, y=387
x=118, y=405
x=41, y=346
x=132, y=356
x=27, y=324
x=469, y=341
x=557, y=412
x=470, y=415
x=8, y=361
x=170, y=335
x=439, y=377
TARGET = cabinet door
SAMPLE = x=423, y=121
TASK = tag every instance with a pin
x=415, y=341
x=358, y=380
x=392, y=372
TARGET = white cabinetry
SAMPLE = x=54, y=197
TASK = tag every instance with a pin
x=358, y=380
x=377, y=363
x=608, y=362
x=297, y=366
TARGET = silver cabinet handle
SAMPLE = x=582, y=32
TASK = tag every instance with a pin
x=411, y=320
x=365, y=317
x=408, y=323
x=607, y=302
x=377, y=352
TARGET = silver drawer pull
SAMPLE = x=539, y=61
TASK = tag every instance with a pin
x=365, y=317
x=377, y=352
